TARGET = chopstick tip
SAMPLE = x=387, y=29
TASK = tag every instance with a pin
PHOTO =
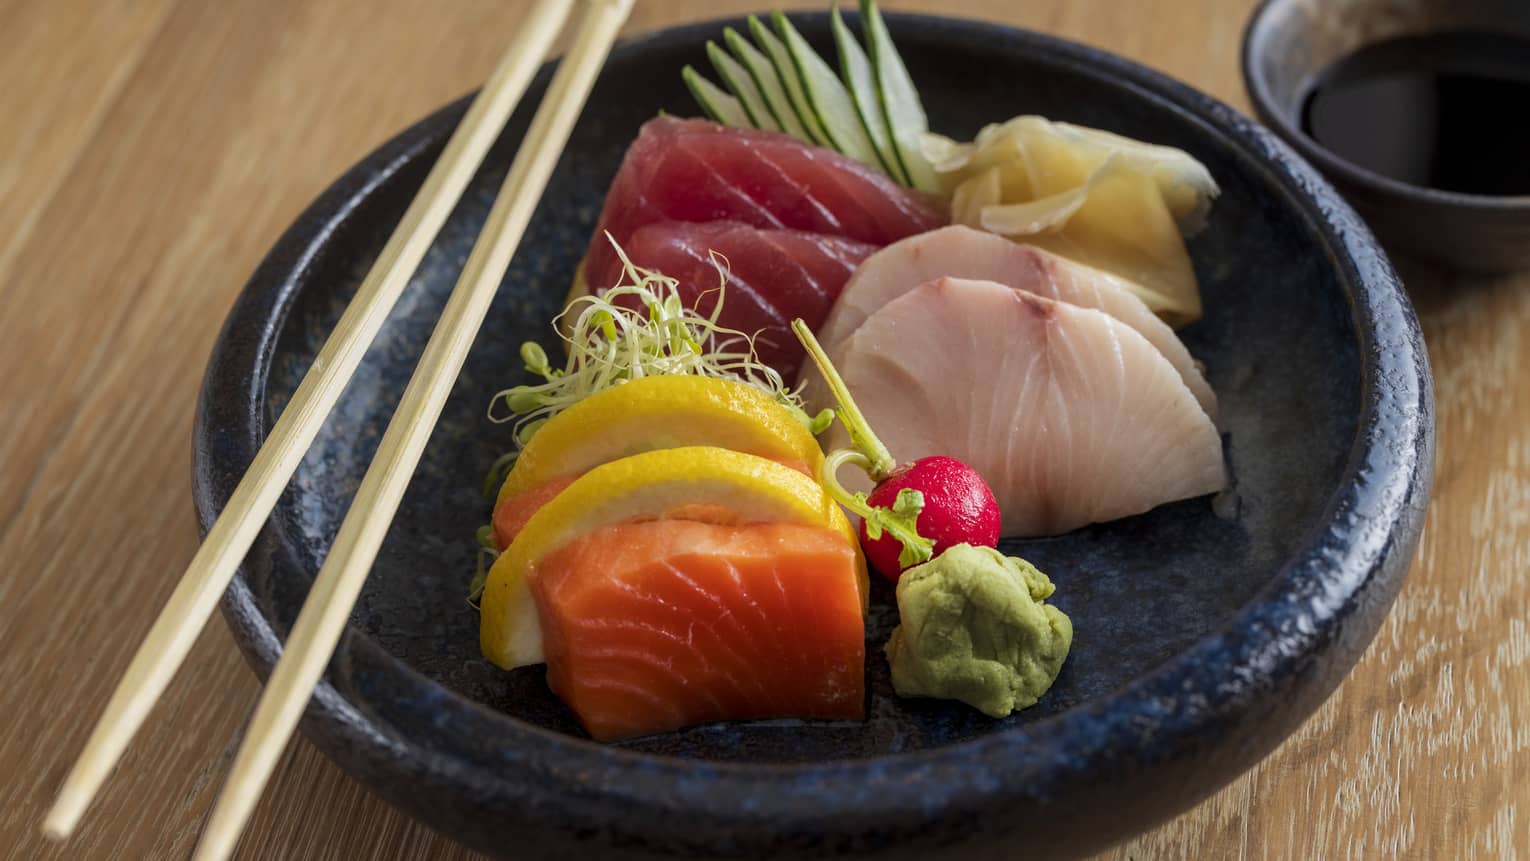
x=61, y=820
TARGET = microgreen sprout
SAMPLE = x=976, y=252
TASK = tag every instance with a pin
x=497, y=472
x=487, y=553
x=610, y=343
x=868, y=453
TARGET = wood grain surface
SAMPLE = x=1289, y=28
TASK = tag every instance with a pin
x=150, y=152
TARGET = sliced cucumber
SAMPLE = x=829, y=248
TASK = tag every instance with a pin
x=764, y=74
x=827, y=98
x=737, y=79
x=716, y=101
x=862, y=84
x=787, y=72
x=869, y=110
x=906, y=121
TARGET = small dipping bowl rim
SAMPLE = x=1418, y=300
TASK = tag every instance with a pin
x=1280, y=118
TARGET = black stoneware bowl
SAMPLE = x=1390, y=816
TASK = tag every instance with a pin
x=1202, y=640
x=1289, y=44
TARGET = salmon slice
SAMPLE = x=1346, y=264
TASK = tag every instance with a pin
x=1071, y=416
x=961, y=252
x=772, y=277
x=512, y=512
x=654, y=626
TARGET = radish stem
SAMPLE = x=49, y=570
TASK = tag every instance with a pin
x=829, y=477
x=867, y=452
x=900, y=521
x=879, y=461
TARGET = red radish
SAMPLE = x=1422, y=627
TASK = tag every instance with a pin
x=958, y=509
x=916, y=510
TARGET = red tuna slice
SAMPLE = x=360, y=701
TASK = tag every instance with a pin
x=773, y=276
x=698, y=171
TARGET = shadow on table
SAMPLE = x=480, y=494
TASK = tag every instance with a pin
x=1436, y=290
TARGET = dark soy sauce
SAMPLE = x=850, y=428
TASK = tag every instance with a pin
x=1448, y=111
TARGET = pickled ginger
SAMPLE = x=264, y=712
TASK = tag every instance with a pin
x=1097, y=198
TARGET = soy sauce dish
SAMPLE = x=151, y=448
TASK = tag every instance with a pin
x=1413, y=111
x=1205, y=633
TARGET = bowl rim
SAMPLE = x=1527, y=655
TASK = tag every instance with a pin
x=1327, y=591
x=1273, y=114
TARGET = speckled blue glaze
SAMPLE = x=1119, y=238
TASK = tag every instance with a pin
x=1202, y=640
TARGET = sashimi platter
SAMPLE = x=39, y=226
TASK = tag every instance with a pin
x=811, y=338
x=888, y=435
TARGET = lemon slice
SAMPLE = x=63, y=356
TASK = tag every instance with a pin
x=676, y=482
x=656, y=413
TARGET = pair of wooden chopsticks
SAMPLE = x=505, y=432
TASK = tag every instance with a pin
x=328, y=606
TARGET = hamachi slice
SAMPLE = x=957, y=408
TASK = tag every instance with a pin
x=1070, y=415
x=655, y=626
x=773, y=276
x=962, y=252
x=699, y=171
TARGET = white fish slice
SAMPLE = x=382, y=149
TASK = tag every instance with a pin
x=962, y=252
x=1071, y=416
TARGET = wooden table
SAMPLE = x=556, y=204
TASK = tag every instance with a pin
x=150, y=152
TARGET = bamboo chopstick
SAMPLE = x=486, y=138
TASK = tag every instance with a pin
x=328, y=606
x=229, y=539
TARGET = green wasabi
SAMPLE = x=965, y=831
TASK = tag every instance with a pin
x=975, y=629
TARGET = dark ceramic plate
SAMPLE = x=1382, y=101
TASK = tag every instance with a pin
x=1202, y=640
